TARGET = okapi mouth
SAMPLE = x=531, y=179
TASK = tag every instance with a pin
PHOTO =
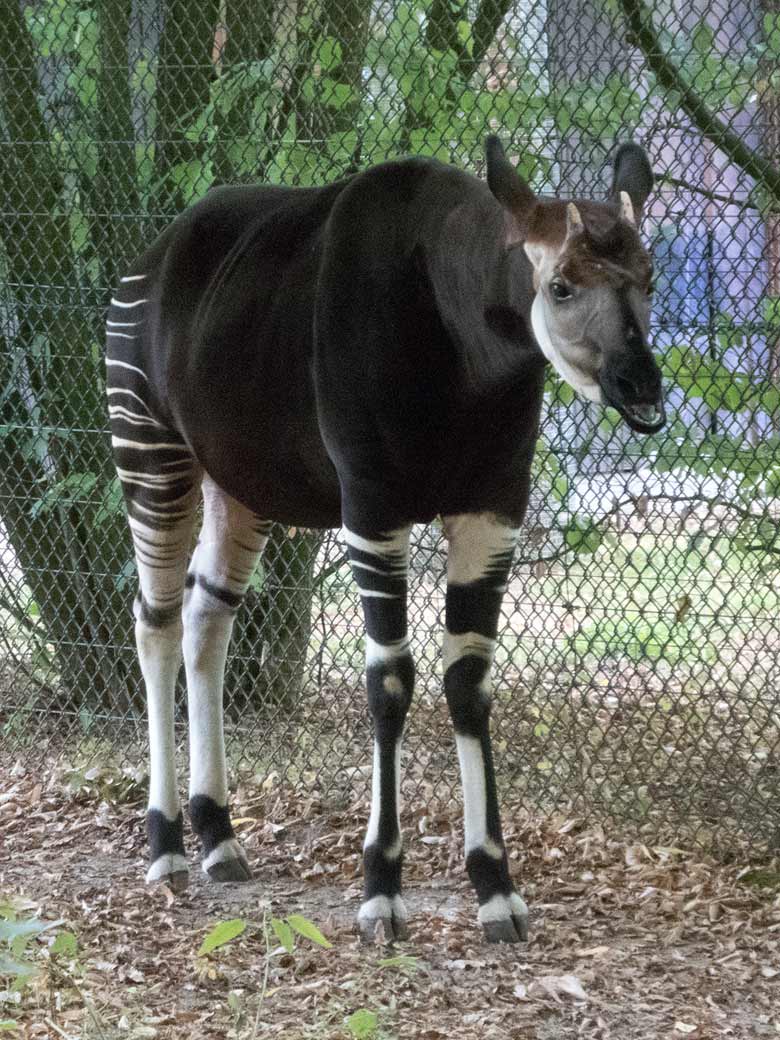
x=643, y=418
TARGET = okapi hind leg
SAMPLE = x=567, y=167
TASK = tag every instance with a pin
x=379, y=566
x=228, y=549
x=160, y=481
x=478, y=565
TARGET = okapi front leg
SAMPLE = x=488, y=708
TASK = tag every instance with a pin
x=379, y=565
x=480, y=556
x=228, y=549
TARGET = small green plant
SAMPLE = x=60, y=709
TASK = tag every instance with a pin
x=18, y=957
x=284, y=928
x=287, y=931
x=17, y=965
x=363, y=1024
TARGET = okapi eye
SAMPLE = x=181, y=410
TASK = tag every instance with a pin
x=560, y=292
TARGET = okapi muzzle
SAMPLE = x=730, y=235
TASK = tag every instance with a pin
x=632, y=384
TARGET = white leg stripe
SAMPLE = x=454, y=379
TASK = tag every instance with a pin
x=372, y=831
x=475, y=539
x=111, y=390
x=379, y=653
x=472, y=771
x=368, y=567
x=501, y=908
x=168, y=863
x=382, y=906
x=159, y=653
x=132, y=278
x=226, y=850
x=135, y=303
x=120, y=442
x=457, y=646
x=123, y=364
x=395, y=542
x=205, y=652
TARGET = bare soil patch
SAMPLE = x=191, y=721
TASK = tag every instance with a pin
x=627, y=940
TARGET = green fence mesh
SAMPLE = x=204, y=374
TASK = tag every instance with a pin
x=639, y=662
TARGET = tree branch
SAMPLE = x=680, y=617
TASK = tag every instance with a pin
x=489, y=17
x=566, y=550
x=714, y=196
x=640, y=19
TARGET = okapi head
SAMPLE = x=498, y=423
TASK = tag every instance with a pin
x=592, y=279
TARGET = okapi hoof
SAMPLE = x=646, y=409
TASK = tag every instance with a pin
x=504, y=919
x=169, y=869
x=383, y=919
x=227, y=862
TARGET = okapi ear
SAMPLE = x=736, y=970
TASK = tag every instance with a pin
x=633, y=175
x=504, y=181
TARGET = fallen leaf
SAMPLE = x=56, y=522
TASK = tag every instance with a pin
x=593, y=951
x=557, y=985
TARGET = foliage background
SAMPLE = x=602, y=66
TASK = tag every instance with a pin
x=638, y=670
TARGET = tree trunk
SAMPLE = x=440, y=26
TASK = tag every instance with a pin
x=53, y=409
x=248, y=37
x=184, y=79
x=347, y=22
x=441, y=34
x=116, y=216
x=267, y=665
x=490, y=15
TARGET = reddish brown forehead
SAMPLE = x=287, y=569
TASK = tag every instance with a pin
x=608, y=252
x=612, y=262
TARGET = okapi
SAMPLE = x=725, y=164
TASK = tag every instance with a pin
x=367, y=355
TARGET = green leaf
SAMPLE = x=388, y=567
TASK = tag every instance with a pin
x=283, y=933
x=328, y=53
x=772, y=33
x=772, y=303
x=19, y=969
x=336, y=95
x=583, y=536
x=222, y=933
x=362, y=1023
x=404, y=961
x=65, y=945
x=10, y=930
x=761, y=878
x=7, y=1024
x=111, y=503
x=304, y=927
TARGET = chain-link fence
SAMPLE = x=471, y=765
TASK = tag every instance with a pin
x=639, y=662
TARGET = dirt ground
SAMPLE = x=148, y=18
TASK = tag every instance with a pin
x=627, y=941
